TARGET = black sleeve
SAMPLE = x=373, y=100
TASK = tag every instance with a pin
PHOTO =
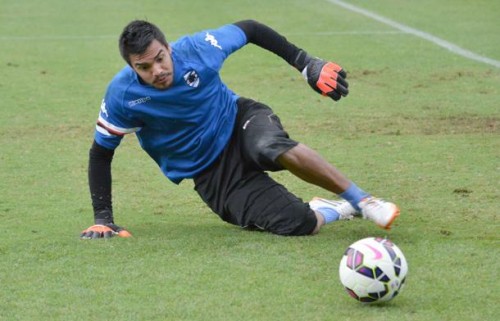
x=267, y=38
x=99, y=173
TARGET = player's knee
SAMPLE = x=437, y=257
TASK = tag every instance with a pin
x=297, y=219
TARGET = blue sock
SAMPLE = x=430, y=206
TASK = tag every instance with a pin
x=353, y=194
x=329, y=214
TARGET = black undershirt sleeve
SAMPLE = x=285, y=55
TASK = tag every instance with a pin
x=267, y=38
x=99, y=173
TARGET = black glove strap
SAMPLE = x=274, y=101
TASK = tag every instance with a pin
x=301, y=60
x=103, y=218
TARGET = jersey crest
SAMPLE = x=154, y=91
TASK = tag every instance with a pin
x=192, y=79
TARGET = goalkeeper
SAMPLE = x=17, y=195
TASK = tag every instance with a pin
x=194, y=127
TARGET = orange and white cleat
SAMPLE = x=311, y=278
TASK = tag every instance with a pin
x=379, y=211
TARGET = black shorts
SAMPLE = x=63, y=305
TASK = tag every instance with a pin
x=237, y=187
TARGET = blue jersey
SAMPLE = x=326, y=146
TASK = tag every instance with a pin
x=185, y=127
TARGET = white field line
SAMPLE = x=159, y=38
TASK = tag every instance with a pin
x=424, y=35
x=351, y=32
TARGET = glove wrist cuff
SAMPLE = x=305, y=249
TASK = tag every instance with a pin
x=103, y=217
x=301, y=60
x=100, y=221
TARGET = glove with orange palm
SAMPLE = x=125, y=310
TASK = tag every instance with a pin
x=108, y=230
x=326, y=78
x=104, y=227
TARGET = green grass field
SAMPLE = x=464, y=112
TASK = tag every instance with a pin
x=420, y=127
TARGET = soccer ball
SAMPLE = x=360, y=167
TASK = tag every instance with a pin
x=373, y=270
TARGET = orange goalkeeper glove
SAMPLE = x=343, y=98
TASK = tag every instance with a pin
x=327, y=78
x=108, y=230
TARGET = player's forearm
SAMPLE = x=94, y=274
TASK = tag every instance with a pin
x=99, y=173
x=267, y=38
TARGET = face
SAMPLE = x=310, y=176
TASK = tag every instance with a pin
x=155, y=65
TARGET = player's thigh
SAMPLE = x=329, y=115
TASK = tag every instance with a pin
x=261, y=135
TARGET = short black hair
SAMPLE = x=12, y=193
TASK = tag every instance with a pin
x=137, y=36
